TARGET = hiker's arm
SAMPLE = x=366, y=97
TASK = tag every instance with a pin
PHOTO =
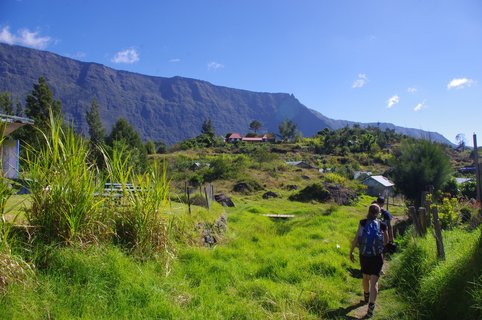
x=390, y=231
x=385, y=237
x=353, y=245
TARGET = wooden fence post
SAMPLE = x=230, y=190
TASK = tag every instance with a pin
x=413, y=214
x=438, y=235
x=422, y=215
x=188, y=198
x=208, y=202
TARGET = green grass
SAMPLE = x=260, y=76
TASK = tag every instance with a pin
x=441, y=289
x=263, y=269
x=15, y=208
x=260, y=269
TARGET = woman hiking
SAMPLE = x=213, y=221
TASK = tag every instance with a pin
x=370, y=238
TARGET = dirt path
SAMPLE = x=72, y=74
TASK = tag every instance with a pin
x=358, y=309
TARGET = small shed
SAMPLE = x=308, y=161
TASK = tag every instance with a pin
x=462, y=180
x=378, y=185
x=300, y=164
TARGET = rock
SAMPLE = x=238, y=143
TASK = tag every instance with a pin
x=270, y=194
x=224, y=200
x=341, y=195
x=241, y=187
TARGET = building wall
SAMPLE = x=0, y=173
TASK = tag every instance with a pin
x=10, y=156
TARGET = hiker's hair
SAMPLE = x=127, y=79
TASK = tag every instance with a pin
x=373, y=211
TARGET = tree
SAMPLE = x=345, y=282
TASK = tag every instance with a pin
x=460, y=138
x=150, y=147
x=288, y=130
x=208, y=130
x=39, y=104
x=97, y=131
x=6, y=103
x=124, y=134
x=207, y=138
x=97, y=134
x=255, y=125
x=420, y=164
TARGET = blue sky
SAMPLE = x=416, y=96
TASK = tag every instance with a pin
x=414, y=63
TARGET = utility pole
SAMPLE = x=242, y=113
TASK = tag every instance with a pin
x=478, y=173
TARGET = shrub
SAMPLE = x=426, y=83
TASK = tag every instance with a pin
x=334, y=178
x=448, y=213
x=469, y=189
x=225, y=167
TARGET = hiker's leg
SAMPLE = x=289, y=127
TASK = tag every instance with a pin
x=366, y=283
x=373, y=288
x=366, y=287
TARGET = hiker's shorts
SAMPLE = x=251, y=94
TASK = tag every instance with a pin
x=371, y=265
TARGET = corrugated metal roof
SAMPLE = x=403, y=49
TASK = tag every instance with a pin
x=14, y=122
x=462, y=180
x=382, y=180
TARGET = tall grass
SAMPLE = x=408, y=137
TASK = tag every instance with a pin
x=69, y=203
x=141, y=223
x=63, y=186
x=441, y=289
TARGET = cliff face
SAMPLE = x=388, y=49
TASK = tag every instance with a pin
x=167, y=109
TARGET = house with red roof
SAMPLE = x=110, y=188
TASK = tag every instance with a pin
x=233, y=137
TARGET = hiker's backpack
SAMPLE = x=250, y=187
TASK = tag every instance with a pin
x=371, y=239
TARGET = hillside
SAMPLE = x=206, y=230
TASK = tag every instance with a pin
x=167, y=109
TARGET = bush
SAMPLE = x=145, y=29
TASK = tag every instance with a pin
x=469, y=189
x=226, y=167
x=465, y=214
x=448, y=213
x=315, y=192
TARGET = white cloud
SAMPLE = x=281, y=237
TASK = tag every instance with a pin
x=420, y=106
x=24, y=37
x=126, y=56
x=460, y=83
x=412, y=90
x=175, y=60
x=393, y=101
x=361, y=81
x=214, y=65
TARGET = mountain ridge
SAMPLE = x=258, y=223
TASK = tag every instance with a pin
x=160, y=108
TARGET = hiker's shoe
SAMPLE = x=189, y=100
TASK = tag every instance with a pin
x=371, y=309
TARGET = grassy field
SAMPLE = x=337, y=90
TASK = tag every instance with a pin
x=260, y=269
